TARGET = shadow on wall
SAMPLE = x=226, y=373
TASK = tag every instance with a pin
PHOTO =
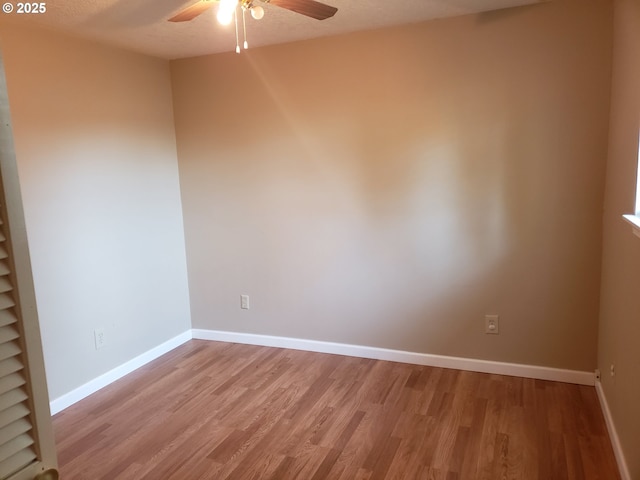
x=380, y=198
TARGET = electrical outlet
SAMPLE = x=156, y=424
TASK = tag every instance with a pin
x=612, y=369
x=98, y=335
x=492, y=324
x=244, y=302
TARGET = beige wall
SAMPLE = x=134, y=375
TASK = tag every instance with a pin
x=620, y=307
x=390, y=188
x=96, y=153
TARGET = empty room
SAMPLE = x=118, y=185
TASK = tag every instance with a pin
x=310, y=240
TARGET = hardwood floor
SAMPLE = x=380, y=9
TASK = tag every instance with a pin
x=210, y=410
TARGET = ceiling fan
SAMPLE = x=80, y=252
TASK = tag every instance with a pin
x=309, y=8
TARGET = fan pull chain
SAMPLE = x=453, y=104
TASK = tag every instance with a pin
x=244, y=30
x=235, y=16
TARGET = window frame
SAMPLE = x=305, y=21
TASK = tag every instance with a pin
x=634, y=219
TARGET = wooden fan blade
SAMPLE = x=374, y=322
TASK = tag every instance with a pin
x=192, y=11
x=310, y=8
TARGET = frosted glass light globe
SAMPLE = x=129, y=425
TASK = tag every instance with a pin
x=257, y=12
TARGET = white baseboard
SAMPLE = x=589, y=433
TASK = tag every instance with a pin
x=111, y=376
x=474, y=365
x=484, y=366
x=613, y=434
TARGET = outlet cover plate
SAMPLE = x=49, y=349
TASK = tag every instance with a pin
x=99, y=338
x=492, y=324
x=244, y=302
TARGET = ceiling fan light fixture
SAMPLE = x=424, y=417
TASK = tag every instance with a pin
x=224, y=19
x=257, y=12
x=226, y=10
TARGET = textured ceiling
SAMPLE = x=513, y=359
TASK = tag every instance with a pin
x=142, y=26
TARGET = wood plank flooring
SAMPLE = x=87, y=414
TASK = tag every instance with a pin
x=210, y=410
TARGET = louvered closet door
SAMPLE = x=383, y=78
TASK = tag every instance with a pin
x=16, y=430
x=27, y=448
